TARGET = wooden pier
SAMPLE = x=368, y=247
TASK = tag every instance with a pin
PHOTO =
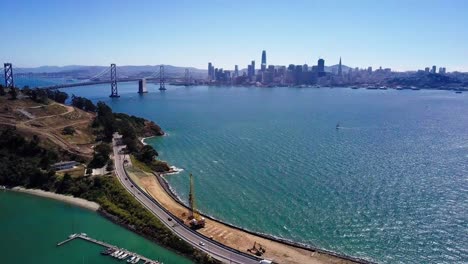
x=106, y=245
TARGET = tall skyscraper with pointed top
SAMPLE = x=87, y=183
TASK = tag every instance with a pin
x=264, y=63
x=340, y=72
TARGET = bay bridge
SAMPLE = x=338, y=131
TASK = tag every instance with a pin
x=157, y=76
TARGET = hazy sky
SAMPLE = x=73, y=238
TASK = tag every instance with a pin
x=401, y=34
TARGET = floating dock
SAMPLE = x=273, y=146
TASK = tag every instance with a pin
x=106, y=245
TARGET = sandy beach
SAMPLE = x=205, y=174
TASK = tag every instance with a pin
x=60, y=197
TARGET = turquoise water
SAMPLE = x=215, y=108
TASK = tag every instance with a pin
x=31, y=227
x=390, y=185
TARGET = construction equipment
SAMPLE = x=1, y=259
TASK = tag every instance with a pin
x=195, y=220
x=257, y=251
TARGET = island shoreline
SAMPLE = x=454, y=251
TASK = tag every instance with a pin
x=68, y=199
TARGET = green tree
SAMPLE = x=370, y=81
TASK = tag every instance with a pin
x=106, y=119
x=68, y=130
x=101, y=156
x=13, y=93
x=147, y=154
x=110, y=165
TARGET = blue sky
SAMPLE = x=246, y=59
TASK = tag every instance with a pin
x=401, y=34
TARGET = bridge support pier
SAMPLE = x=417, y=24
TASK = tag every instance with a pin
x=142, y=86
x=9, y=81
x=114, y=91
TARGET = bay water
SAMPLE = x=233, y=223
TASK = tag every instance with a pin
x=389, y=185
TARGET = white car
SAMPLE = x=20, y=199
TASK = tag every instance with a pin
x=201, y=244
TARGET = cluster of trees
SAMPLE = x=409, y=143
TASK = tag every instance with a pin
x=101, y=156
x=12, y=92
x=68, y=130
x=82, y=103
x=42, y=96
x=23, y=162
x=130, y=127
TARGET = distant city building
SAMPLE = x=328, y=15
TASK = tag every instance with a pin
x=253, y=68
x=442, y=70
x=210, y=71
x=340, y=72
x=369, y=69
x=264, y=61
x=291, y=67
x=434, y=69
x=427, y=69
x=236, y=71
x=305, y=67
x=321, y=67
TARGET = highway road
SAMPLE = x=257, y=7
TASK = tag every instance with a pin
x=216, y=250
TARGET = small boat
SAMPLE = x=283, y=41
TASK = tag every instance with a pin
x=131, y=259
x=136, y=260
x=337, y=126
x=383, y=88
x=414, y=88
x=458, y=91
x=123, y=256
x=107, y=251
x=72, y=235
x=118, y=254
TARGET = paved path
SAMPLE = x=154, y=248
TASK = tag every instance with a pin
x=220, y=252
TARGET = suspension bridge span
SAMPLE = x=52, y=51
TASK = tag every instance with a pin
x=100, y=78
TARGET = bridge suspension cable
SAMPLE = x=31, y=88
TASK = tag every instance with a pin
x=100, y=74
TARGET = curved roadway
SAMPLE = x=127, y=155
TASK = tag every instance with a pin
x=213, y=248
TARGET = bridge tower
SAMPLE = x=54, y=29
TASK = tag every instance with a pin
x=162, y=83
x=9, y=82
x=113, y=72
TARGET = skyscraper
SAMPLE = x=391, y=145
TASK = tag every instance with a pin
x=264, y=62
x=210, y=73
x=253, y=68
x=434, y=69
x=321, y=67
x=236, y=71
x=339, y=69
